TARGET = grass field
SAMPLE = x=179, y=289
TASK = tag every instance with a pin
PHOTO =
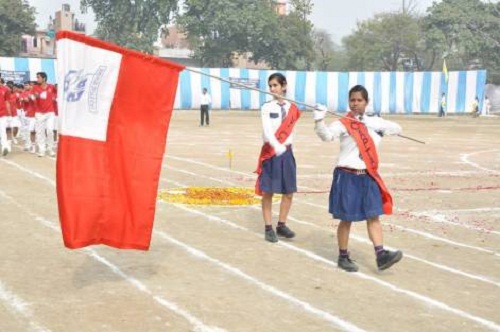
x=209, y=268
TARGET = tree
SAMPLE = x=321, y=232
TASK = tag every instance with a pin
x=287, y=41
x=323, y=45
x=16, y=19
x=133, y=24
x=219, y=29
x=468, y=33
x=386, y=42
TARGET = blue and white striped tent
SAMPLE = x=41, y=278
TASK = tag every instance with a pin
x=390, y=92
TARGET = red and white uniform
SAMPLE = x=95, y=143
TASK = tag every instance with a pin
x=44, y=117
x=4, y=106
x=13, y=119
x=29, y=106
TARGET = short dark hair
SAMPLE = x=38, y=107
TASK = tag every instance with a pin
x=42, y=74
x=359, y=88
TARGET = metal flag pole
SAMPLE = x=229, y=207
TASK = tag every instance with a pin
x=285, y=98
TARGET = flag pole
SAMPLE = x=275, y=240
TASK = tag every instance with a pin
x=282, y=97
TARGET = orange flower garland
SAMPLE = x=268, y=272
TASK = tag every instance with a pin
x=210, y=196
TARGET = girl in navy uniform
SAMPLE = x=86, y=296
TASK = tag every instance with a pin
x=358, y=192
x=276, y=168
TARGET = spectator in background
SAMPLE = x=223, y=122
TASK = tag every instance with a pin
x=487, y=106
x=442, y=106
x=205, y=102
x=475, y=107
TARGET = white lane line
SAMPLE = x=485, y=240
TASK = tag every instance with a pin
x=400, y=174
x=30, y=172
x=353, y=236
x=441, y=239
x=427, y=300
x=474, y=210
x=465, y=158
x=19, y=307
x=409, y=230
x=430, y=301
x=439, y=218
x=216, y=168
x=197, y=324
x=428, y=235
x=343, y=324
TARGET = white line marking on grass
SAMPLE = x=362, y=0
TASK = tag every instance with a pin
x=441, y=239
x=343, y=324
x=24, y=169
x=410, y=230
x=362, y=240
x=495, y=209
x=198, y=325
x=435, y=303
x=427, y=235
x=196, y=162
x=465, y=159
x=421, y=260
x=442, y=219
x=19, y=307
x=412, y=294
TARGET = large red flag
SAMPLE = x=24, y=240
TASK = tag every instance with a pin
x=114, y=107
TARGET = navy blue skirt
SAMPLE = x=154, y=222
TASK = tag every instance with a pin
x=354, y=197
x=279, y=174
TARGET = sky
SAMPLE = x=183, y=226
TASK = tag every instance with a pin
x=337, y=17
x=46, y=8
x=340, y=17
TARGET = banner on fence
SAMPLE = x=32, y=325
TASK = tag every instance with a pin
x=241, y=83
x=17, y=76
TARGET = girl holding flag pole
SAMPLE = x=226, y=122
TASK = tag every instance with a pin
x=277, y=172
x=358, y=192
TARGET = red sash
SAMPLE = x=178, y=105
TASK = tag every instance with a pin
x=366, y=146
x=283, y=132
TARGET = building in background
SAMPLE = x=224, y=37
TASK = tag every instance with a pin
x=173, y=46
x=42, y=44
x=281, y=8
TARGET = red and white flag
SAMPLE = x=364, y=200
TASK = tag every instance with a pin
x=115, y=106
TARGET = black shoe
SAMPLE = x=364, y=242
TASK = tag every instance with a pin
x=270, y=236
x=285, y=231
x=347, y=264
x=388, y=258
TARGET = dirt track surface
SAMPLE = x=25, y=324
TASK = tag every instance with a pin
x=209, y=268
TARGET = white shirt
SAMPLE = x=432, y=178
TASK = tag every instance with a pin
x=271, y=121
x=349, y=155
x=205, y=99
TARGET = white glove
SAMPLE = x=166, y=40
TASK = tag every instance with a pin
x=319, y=112
x=279, y=149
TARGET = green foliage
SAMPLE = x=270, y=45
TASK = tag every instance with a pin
x=324, y=47
x=219, y=29
x=386, y=42
x=468, y=33
x=133, y=24
x=16, y=18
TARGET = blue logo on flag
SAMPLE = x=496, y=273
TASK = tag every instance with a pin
x=75, y=84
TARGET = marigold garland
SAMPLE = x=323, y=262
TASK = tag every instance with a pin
x=210, y=196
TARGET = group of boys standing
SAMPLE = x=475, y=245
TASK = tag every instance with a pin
x=28, y=112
